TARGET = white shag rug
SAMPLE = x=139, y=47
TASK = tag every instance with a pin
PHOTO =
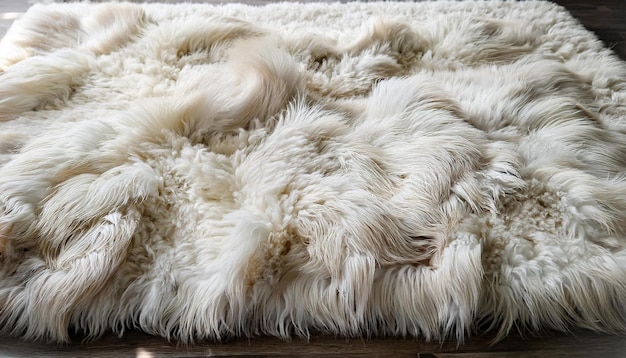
x=199, y=172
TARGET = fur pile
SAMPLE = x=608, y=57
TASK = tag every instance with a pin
x=199, y=172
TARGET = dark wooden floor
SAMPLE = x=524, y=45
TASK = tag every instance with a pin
x=135, y=344
x=607, y=18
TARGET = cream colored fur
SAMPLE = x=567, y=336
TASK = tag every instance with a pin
x=422, y=169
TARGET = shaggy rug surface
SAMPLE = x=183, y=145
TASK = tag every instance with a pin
x=199, y=172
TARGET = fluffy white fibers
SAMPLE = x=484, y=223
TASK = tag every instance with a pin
x=207, y=172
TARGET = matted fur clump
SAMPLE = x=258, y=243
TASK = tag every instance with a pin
x=200, y=172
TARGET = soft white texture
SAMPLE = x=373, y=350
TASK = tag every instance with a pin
x=423, y=169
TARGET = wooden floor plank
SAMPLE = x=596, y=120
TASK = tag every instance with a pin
x=581, y=343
